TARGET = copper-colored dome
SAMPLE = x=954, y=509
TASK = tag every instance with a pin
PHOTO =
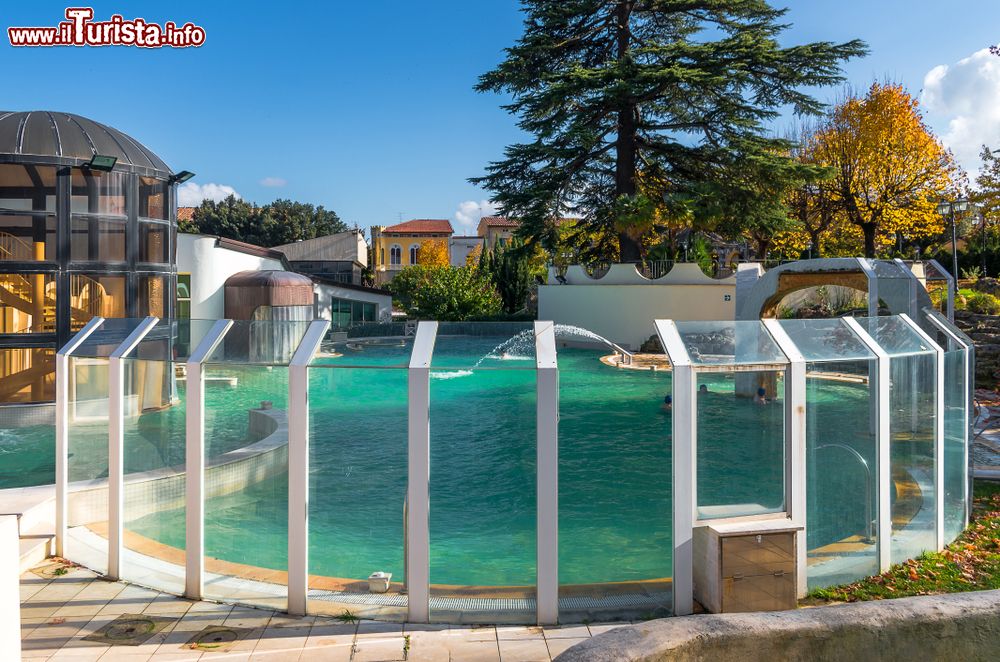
x=248, y=290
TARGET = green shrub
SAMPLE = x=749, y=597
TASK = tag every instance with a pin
x=984, y=304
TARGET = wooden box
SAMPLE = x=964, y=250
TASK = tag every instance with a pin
x=746, y=566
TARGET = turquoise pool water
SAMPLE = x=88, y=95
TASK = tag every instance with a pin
x=615, y=466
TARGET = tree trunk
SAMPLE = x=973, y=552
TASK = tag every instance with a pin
x=869, y=229
x=625, y=146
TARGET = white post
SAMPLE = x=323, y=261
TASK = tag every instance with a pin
x=116, y=444
x=418, y=489
x=547, y=461
x=194, y=460
x=795, y=442
x=63, y=374
x=879, y=390
x=684, y=415
x=298, y=466
x=10, y=607
x=938, y=430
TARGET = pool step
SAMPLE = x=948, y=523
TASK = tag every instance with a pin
x=35, y=549
x=35, y=510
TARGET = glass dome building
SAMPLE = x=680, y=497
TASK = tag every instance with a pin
x=88, y=228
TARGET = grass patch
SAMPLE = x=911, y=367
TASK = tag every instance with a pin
x=971, y=563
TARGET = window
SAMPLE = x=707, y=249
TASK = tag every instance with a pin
x=153, y=245
x=153, y=198
x=28, y=304
x=92, y=295
x=27, y=238
x=395, y=255
x=97, y=239
x=153, y=296
x=414, y=253
x=345, y=313
x=183, y=296
x=27, y=374
x=381, y=255
x=28, y=188
x=98, y=192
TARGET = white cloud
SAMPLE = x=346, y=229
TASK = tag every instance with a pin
x=273, y=182
x=191, y=195
x=963, y=100
x=468, y=214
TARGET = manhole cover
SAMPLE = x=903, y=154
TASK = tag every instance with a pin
x=217, y=638
x=129, y=630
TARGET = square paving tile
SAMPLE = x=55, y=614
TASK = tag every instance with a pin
x=559, y=646
x=523, y=650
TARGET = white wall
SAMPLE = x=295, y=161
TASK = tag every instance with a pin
x=624, y=313
x=325, y=292
x=210, y=266
x=10, y=594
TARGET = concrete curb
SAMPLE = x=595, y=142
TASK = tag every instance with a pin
x=960, y=626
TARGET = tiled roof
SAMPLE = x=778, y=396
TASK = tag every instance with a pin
x=500, y=222
x=185, y=213
x=422, y=226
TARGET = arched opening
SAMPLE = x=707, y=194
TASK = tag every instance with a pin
x=395, y=255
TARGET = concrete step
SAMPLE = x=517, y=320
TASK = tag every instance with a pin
x=34, y=550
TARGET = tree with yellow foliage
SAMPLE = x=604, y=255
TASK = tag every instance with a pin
x=474, y=256
x=434, y=253
x=889, y=170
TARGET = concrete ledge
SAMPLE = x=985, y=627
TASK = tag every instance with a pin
x=961, y=626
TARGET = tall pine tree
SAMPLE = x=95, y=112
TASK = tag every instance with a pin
x=679, y=90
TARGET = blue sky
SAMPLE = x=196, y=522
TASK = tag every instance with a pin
x=368, y=108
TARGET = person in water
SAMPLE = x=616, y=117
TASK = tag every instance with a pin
x=667, y=403
x=761, y=397
x=703, y=388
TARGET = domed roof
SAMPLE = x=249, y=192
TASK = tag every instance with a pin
x=269, y=278
x=67, y=136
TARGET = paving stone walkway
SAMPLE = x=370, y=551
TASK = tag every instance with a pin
x=73, y=617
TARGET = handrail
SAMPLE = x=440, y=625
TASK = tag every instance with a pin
x=870, y=523
x=8, y=244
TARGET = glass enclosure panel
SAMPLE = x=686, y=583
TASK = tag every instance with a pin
x=154, y=243
x=27, y=374
x=894, y=335
x=912, y=428
x=28, y=187
x=262, y=342
x=27, y=238
x=87, y=448
x=27, y=303
x=741, y=443
x=466, y=345
x=27, y=440
x=357, y=486
x=826, y=340
x=154, y=445
x=93, y=295
x=615, y=500
x=729, y=343
x=96, y=239
x=96, y=192
x=153, y=198
x=842, y=472
x=955, y=421
x=482, y=489
x=246, y=483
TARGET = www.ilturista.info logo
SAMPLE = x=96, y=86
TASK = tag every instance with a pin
x=81, y=30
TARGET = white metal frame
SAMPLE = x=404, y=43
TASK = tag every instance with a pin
x=938, y=431
x=940, y=322
x=194, y=459
x=116, y=444
x=298, y=466
x=419, y=465
x=684, y=467
x=795, y=438
x=869, y=272
x=547, y=468
x=62, y=428
x=879, y=389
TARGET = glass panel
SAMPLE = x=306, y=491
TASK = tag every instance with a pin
x=741, y=443
x=485, y=345
x=153, y=296
x=357, y=486
x=826, y=340
x=246, y=483
x=94, y=295
x=262, y=342
x=27, y=374
x=87, y=447
x=729, y=343
x=153, y=243
x=894, y=335
x=154, y=466
x=105, y=338
x=25, y=238
x=27, y=303
x=153, y=198
x=482, y=521
x=615, y=501
x=96, y=192
x=28, y=188
x=955, y=469
x=97, y=240
x=842, y=461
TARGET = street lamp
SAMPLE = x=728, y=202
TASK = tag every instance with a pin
x=948, y=208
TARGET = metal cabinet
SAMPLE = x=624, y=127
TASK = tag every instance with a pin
x=746, y=566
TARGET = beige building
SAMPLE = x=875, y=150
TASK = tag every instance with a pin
x=496, y=230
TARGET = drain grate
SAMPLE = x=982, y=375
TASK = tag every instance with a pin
x=130, y=630
x=217, y=638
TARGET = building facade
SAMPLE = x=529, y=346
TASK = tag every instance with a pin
x=496, y=230
x=340, y=257
x=87, y=227
x=398, y=246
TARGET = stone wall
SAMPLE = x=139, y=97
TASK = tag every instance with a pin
x=962, y=626
x=985, y=332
